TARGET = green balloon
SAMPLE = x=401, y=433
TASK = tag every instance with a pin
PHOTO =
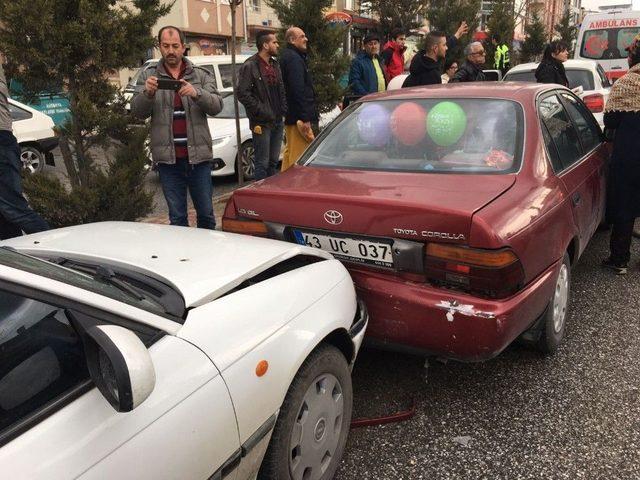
x=446, y=123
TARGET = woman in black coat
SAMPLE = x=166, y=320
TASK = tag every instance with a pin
x=622, y=114
x=551, y=69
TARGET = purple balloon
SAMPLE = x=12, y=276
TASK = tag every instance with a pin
x=374, y=124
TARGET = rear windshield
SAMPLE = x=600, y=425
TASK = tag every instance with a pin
x=577, y=78
x=228, y=110
x=608, y=43
x=426, y=135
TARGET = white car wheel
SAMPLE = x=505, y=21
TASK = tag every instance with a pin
x=247, y=154
x=32, y=158
x=312, y=428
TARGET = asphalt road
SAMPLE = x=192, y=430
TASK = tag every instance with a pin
x=575, y=415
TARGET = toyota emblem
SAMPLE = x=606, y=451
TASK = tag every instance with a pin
x=333, y=217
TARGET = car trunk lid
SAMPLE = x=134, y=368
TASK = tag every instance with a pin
x=418, y=206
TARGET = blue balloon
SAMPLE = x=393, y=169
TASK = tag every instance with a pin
x=374, y=124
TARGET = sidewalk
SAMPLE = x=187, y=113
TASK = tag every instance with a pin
x=219, y=202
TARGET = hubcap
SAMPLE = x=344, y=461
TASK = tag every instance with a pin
x=30, y=161
x=316, y=431
x=561, y=299
x=247, y=161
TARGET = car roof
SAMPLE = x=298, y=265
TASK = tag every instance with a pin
x=569, y=64
x=215, y=59
x=519, y=91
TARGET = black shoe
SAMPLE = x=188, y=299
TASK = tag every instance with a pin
x=618, y=268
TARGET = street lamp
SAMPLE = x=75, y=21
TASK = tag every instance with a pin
x=233, y=5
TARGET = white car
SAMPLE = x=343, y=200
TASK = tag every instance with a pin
x=136, y=351
x=219, y=65
x=586, y=75
x=35, y=135
x=223, y=133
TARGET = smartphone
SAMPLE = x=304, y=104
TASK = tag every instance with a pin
x=169, y=84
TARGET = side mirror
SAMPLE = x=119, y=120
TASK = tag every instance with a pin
x=120, y=366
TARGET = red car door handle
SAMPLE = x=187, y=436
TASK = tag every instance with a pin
x=576, y=199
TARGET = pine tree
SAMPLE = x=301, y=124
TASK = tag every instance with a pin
x=75, y=45
x=397, y=13
x=535, y=41
x=566, y=30
x=501, y=23
x=447, y=15
x=327, y=63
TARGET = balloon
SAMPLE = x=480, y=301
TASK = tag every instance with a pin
x=446, y=123
x=407, y=123
x=373, y=125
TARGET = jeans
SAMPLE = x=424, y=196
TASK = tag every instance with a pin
x=266, y=147
x=16, y=216
x=176, y=179
x=620, y=242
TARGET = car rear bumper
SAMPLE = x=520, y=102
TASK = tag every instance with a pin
x=419, y=318
x=358, y=328
x=48, y=144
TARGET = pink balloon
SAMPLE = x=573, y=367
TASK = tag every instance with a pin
x=408, y=123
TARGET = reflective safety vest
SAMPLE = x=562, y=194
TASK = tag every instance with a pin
x=501, y=56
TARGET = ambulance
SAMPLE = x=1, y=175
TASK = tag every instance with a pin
x=604, y=36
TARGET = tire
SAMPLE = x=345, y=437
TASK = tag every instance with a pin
x=294, y=455
x=32, y=158
x=555, y=318
x=247, y=154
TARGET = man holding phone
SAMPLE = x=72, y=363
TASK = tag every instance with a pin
x=178, y=96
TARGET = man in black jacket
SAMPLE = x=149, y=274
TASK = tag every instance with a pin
x=301, y=97
x=261, y=91
x=471, y=69
x=425, y=67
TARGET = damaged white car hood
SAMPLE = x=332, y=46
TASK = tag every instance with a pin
x=200, y=264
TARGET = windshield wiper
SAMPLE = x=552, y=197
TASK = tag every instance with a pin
x=106, y=275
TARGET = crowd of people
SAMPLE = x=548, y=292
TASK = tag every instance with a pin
x=279, y=96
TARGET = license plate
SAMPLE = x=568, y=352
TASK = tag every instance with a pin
x=357, y=250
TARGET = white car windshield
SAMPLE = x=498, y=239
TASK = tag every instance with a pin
x=462, y=135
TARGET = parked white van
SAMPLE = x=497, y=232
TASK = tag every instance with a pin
x=604, y=36
x=219, y=65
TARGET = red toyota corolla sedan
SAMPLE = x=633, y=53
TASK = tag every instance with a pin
x=458, y=210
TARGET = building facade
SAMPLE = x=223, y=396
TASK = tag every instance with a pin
x=549, y=11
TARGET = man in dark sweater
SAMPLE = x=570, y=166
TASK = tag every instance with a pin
x=302, y=111
x=261, y=91
x=425, y=67
x=471, y=69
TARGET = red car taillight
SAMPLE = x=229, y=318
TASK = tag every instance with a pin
x=245, y=226
x=594, y=102
x=490, y=273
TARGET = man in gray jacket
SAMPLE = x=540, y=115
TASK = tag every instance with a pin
x=16, y=216
x=180, y=137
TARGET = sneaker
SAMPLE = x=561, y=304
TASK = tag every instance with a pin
x=618, y=268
